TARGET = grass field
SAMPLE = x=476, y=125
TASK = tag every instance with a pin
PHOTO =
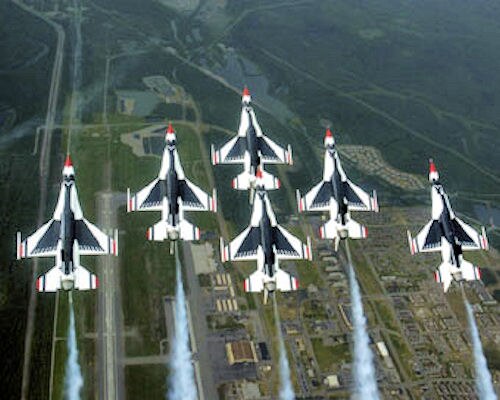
x=328, y=356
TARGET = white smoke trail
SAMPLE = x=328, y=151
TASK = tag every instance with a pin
x=73, y=380
x=365, y=382
x=182, y=383
x=484, y=385
x=286, y=388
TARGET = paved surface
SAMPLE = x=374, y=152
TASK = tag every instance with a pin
x=199, y=326
x=110, y=363
x=146, y=360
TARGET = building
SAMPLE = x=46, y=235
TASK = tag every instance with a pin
x=332, y=381
x=242, y=351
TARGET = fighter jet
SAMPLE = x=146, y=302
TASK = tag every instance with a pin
x=172, y=194
x=67, y=236
x=448, y=234
x=338, y=195
x=252, y=149
x=266, y=242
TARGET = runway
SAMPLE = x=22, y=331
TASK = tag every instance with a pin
x=110, y=354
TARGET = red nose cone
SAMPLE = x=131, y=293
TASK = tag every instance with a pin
x=258, y=174
x=170, y=129
x=68, y=162
x=328, y=133
x=246, y=92
x=432, y=166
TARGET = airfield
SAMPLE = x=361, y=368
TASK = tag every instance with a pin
x=134, y=72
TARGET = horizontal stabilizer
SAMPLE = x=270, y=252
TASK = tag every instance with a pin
x=84, y=279
x=447, y=272
x=285, y=282
x=54, y=280
x=255, y=282
x=332, y=230
x=50, y=281
x=163, y=230
x=245, y=181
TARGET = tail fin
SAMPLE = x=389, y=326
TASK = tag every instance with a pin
x=245, y=181
x=163, y=230
x=443, y=275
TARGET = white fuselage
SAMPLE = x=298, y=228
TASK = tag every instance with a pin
x=264, y=218
x=334, y=174
x=67, y=210
x=171, y=172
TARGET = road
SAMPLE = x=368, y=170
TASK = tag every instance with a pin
x=198, y=319
x=44, y=169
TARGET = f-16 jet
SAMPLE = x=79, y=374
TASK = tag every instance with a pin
x=252, y=149
x=266, y=242
x=338, y=195
x=67, y=236
x=448, y=234
x=172, y=194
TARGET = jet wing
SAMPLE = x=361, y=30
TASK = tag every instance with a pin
x=428, y=239
x=359, y=200
x=195, y=199
x=273, y=153
x=233, y=152
x=91, y=240
x=468, y=237
x=289, y=247
x=318, y=198
x=243, y=247
x=42, y=243
x=147, y=199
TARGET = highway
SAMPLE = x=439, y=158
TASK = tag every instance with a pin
x=44, y=168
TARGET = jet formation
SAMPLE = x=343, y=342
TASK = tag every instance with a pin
x=68, y=235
